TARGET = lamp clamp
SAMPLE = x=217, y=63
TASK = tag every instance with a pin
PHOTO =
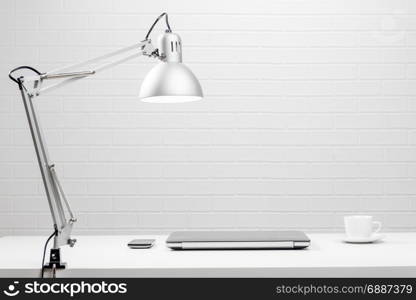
x=55, y=260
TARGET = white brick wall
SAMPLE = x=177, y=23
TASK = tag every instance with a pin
x=310, y=114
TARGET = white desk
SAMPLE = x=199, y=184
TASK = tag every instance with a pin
x=108, y=256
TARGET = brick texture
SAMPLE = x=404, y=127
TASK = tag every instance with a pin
x=309, y=115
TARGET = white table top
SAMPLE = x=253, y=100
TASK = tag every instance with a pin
x=108, y=256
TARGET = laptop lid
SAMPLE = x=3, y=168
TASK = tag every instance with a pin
x=237, y=239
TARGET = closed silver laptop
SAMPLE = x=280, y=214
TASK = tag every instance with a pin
x=205, y=240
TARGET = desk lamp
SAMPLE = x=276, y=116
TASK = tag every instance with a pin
x=168, y=82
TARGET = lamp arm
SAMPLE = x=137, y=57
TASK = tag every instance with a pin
x=53, y=189
x=34, y=84
x=30, y=87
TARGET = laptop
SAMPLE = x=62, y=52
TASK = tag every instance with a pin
x=206, y=240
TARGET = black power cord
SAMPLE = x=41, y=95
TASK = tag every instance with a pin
x=21, y=68
x=44, y=251
x=19, y=82
x=155, y=22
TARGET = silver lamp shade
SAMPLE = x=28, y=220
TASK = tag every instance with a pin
x=170, y=81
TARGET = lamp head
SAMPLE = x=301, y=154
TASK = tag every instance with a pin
x=170, y=81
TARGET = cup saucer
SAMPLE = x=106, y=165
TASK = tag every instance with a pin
x=364, y=240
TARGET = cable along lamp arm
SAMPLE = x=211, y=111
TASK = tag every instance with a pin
x=32, y=86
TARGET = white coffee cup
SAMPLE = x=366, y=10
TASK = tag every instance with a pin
x=361, y=226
